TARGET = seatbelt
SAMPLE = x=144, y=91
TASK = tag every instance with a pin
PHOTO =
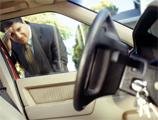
x=5, y=96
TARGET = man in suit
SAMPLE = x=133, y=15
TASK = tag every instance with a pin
x=43, y=41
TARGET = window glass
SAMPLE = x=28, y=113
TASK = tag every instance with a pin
x=126, y=12
x=57, y=43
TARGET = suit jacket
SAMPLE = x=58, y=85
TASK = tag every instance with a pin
x=49, y=50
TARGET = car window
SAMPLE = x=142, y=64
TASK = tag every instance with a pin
x=58, y=48
x=126, y=12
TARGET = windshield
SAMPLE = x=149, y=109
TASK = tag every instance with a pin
x=126, y=12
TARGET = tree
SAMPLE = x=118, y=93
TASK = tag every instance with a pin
x=50, y=19
x=105, y=4
x=84, y=29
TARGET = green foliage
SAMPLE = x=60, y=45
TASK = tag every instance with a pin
x=48, y=18
x=77, y=49
x=1, y=34
x=105, y=4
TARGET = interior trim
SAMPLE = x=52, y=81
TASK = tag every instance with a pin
x=7, y=82
x=125, y=33
x=57, y=110
x=45, y=1
x=8, y=112
x=24, y=85
x=52, y=94
x=12, y=67
x=20, y=6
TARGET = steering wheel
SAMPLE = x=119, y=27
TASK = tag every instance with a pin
x=96, y=76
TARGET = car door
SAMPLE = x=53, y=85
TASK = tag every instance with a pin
x=51, y=96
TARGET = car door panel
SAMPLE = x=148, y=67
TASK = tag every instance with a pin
x=56, y=110
x=109, y=107
x=8, y=82
x=50, y=96
x=8, y=112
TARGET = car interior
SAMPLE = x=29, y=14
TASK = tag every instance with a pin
x=116, y=61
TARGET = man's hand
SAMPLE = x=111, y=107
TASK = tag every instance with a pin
x=6, y=39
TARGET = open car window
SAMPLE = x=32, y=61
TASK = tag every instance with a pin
x=126, y=12
x=63, y=55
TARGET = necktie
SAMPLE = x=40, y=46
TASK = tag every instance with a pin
x=30, y=59
x=29, y=55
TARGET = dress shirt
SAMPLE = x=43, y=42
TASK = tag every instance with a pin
x=30, y=39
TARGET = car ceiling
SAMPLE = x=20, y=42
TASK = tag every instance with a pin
x=8, y=6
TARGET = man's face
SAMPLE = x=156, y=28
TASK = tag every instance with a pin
x=20, y=32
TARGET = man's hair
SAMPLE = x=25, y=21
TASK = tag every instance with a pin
x=8, y=23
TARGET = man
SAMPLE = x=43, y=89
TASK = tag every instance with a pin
x=37, y=47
